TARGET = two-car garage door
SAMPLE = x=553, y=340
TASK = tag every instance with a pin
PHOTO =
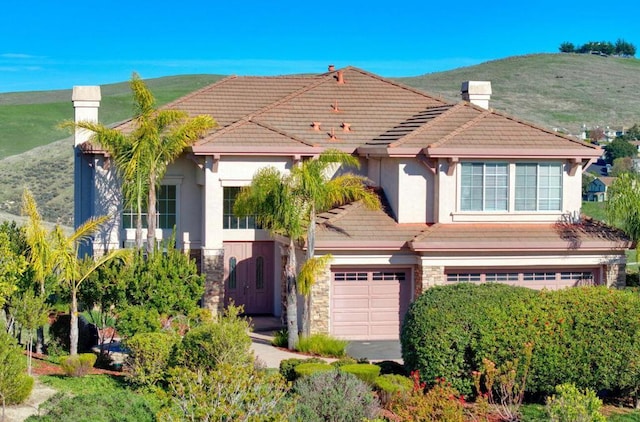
x=369, y=304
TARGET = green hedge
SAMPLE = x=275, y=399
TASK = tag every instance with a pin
x=306, y=369
x=366, y=372
x=589, y=336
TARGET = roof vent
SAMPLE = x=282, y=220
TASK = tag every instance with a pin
x=332, y=135
x=477, y=92
x=331, y=68
x=340, y=77
x=346, y=127
x=315, y=125
x=335, y=107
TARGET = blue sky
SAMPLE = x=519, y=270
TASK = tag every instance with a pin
x=55, y=45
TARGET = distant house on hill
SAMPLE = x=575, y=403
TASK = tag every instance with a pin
x=597, y=189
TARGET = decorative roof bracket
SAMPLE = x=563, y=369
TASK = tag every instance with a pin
x=452, y=165
x=430, y=163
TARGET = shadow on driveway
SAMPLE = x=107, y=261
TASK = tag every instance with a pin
x=375, y=350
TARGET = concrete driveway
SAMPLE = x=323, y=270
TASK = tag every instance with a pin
x=375, y=350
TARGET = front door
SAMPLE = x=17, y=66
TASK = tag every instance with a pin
x=248, y=275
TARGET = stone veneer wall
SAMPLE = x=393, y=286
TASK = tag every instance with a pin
x=213, y=268
x=321, y=303
x=615, y=275
x=431, y=276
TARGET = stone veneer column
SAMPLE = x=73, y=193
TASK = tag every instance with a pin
x=432, y=276
x=321, y=303
x=615, y=275
x=213, y=268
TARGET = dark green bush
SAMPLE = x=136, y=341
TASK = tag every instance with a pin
x=149, y=355
x=122, y=406
x=307, y=369
x=589, y=336
x=137, y=319
x=280, y=338
x=334, y=396
x=288, y=366
x=78, y=365
x=366, y=372
x=224, y=341
x=87, y=333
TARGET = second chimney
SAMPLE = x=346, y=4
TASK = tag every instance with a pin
x=86, y=101
x=477, y=92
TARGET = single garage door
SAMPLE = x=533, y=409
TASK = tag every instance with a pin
x=369, y=304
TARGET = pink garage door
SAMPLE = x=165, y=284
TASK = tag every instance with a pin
x=369, y=304
x=534, y=279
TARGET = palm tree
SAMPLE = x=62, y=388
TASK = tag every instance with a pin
x=623, y=206
x=271, y=199
x=142, y=155
x=319, y=192
x=288, y=204
x=63, y=258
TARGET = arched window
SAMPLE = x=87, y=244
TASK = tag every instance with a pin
x=259, y=272
x=232, y=272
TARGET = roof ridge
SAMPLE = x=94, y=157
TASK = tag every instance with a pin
x=424, y=233
x=398, y=84
x=484, y=114
x=338, y=212
x=425, y=126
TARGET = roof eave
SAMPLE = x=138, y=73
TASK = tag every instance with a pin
x=581, y=153
x=376, y=245
x=519, y=246
x=254, y=150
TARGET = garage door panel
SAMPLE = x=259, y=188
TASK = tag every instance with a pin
x=370, y=308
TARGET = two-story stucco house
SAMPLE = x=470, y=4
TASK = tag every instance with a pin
x=470, y=195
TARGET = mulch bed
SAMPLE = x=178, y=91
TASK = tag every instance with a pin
x=41, y=366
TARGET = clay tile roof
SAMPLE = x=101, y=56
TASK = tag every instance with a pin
x=606, y=180
x=586, y=234
x=355, y=226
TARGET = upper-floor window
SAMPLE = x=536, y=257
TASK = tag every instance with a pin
x=166, y=210
x=484, y=187
x=230, y=221
x=538, y=187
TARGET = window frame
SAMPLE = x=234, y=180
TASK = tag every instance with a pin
x=128, y=216
x=539, y=187
x=228, y=218
x=466, y=204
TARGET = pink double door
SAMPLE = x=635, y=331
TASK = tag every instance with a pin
x=248, y=275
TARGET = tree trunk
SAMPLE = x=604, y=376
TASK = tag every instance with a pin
x=73, y=329
x=151, y=215
x=311, y=242
x=292, y=298
x=139, y=223
x=40, y=331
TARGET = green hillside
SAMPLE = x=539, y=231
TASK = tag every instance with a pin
x=553, y=90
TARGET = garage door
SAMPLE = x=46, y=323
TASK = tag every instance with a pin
x=369, y=304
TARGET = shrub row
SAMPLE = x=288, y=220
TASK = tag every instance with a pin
x=588, y=336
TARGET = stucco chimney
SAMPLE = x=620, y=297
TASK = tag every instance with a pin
x=477, y=92
x=331, y=68
x=86, y=101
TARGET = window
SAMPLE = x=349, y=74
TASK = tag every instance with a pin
x=538, y=187
x=260, y=273
x=485, y=187
x=166, y=210
x=573, y=277
x=230, y=221
x=232, y=272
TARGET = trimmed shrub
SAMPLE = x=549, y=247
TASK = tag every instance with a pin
x=589, y=336
x=226, y=341
x=307, y=369
x=149, y=355
x=347, y=360
x=15, y=384
x=334, y=396
x=366, y=372
x=569, y=404
x=78, y=365
x=390, y=385
x=288, y=366
x=322, y=345
x=138, y=319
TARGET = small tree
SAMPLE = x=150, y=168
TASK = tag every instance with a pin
x=15, y=385
x=30, y=312
x=567, y=47
x=619, y=148
x=623, y=206
x=12, y=266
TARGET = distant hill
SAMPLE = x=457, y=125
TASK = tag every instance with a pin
x=552, y=90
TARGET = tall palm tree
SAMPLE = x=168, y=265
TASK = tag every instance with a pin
x=271, y=199
x=143, y=153
x=63, y=258
x=287, y=204
x=319, y=191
